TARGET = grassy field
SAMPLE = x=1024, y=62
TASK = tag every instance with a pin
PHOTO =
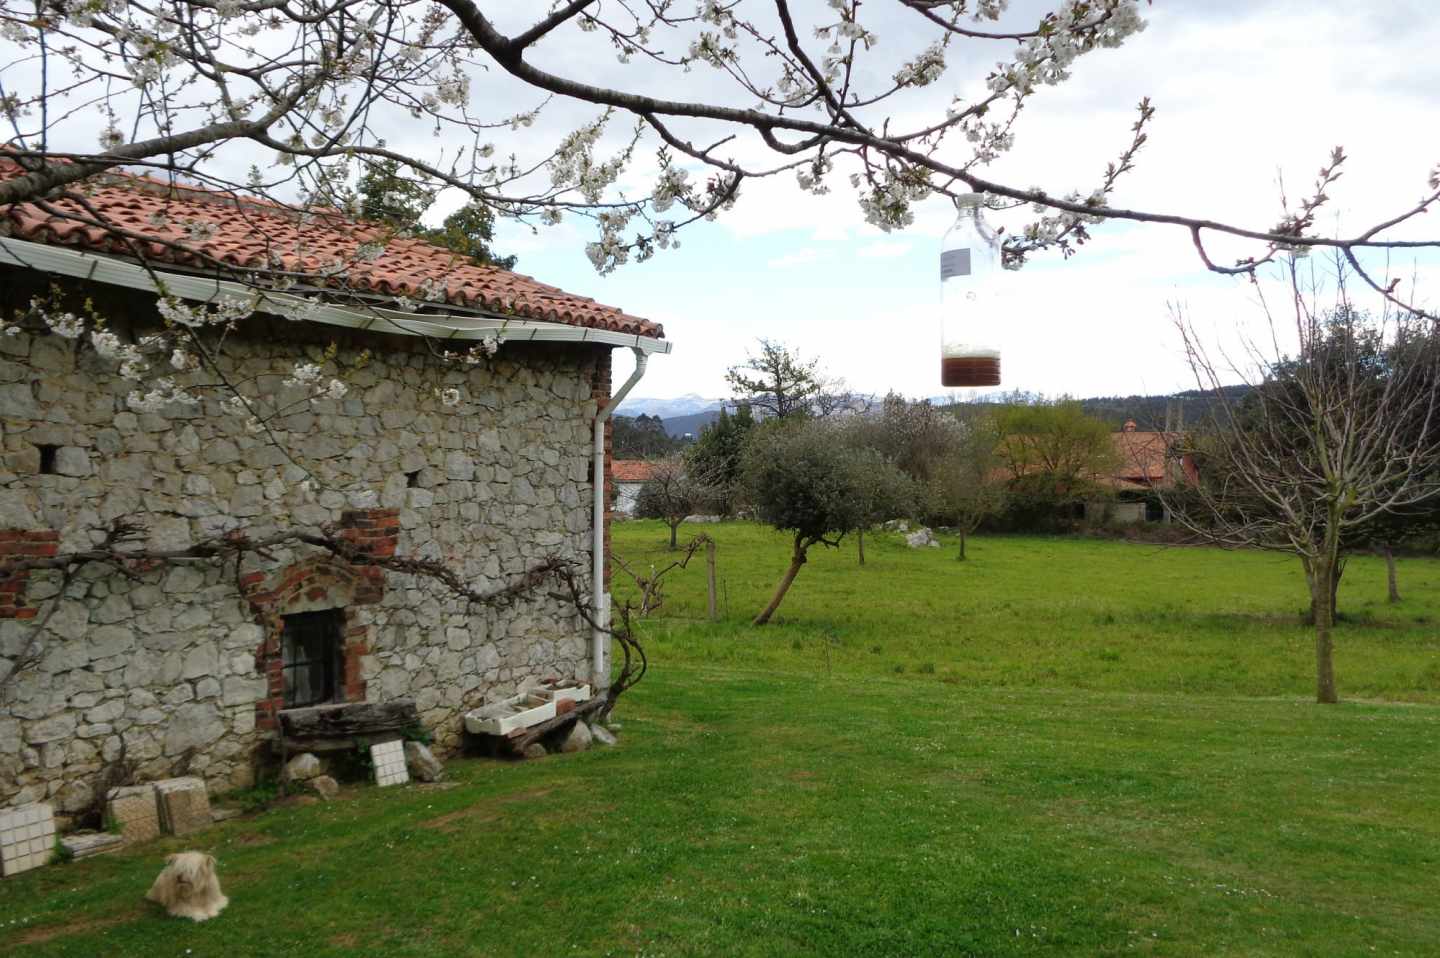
x=1045, y=613
x=1093, y=748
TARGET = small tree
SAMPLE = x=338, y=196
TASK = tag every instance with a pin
x=1335, y=438
x=913, y=436
x=672, y=493
x=968, y=485
x=805, y=480
x=387, y=193
x=777, y=381
x=718, y=455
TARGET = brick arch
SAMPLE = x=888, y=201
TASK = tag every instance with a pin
x=316, y=583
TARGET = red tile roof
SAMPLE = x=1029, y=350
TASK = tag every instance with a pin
x=1141, y=458
x=632, y=470
x=190, y=226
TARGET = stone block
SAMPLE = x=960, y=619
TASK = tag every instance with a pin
x=134, y=810
x=325, y=786
x=422, y=763
x=184, y=805
x=578, y=740
x=87, y=844
x=302, y=767
x=27, y=838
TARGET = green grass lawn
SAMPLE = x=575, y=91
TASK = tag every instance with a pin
x=1115, y=752
x=1057, y=612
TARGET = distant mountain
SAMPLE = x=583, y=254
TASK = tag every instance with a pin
x=680, y=426
x=668, y=408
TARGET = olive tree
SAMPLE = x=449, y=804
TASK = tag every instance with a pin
x=804, y=479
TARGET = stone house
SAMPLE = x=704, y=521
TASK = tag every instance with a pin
x=187, y=664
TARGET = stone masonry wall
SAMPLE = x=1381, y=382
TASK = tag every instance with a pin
x=180, y=665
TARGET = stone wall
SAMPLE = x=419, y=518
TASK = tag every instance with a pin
x=179, y=664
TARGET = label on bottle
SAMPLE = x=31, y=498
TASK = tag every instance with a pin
x=954, y=262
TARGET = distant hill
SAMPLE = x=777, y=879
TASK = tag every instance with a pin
x=679, y=426
x=1149, y=412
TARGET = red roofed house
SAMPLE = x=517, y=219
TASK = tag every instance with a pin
x=489, y=459
x=1145, y=464
x=630, y=476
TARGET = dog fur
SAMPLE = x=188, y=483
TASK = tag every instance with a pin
x=187, y=887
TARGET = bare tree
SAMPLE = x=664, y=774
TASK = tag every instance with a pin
x=651, y=583
x=968, y=484
x=1331, y=439
x=673, y=492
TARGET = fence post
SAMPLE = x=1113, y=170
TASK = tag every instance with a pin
x=710, y=575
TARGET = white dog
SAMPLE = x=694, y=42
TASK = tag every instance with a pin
x=188, y=888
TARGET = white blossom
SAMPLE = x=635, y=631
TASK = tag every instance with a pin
x=234, y=406
x=163, y=392
x=64, y=324
x=304, y=374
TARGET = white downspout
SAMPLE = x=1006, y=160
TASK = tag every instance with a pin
x=599, y=598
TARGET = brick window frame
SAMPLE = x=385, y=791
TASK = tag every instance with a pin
x=22, y=544
x=321, y=583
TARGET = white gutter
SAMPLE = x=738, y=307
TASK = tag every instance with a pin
x=599, y=598
x=99, y=268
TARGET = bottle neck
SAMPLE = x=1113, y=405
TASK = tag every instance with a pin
x=972, y=215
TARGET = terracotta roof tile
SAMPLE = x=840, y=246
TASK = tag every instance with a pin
x=1141, y=455
x=632, y=470
x=189, y=226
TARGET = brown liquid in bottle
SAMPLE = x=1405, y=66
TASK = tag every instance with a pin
x=970, y=371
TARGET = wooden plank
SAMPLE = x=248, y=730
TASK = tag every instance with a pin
x=348, y=720
x=537, y=732
x=294, y=746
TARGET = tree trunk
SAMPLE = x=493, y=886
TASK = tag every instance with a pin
x=1334, y=588
x=674, y=527
x=961, y=556
x=1322, y=596
x=1392, y=581
x=860, y=538
x=797, y=559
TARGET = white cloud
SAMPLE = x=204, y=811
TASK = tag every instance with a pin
x=883, y=249
x=801, y=257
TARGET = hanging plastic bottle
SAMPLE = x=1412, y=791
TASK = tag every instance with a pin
x=970, y=275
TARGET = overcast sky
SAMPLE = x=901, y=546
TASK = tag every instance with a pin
x=1246, y=92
